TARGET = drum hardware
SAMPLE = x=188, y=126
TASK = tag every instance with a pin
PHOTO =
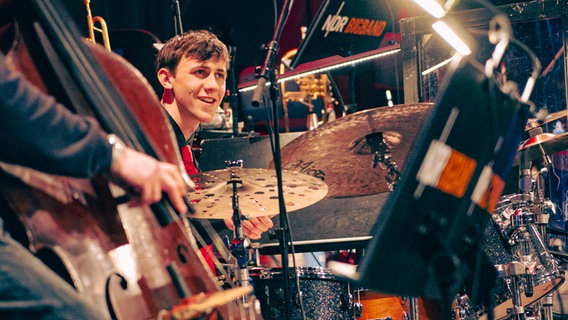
x=519, y=241
x=547, y=307
x=237, y=246
x=543, y=307
x=513, y=272
x=381, y=155
x=358, y=305
x=312, y=121
x=465, y=309
x=519, y=221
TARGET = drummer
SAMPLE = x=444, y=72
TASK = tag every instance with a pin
x=192, y=69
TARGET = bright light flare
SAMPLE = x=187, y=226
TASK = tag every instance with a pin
x=451, y=37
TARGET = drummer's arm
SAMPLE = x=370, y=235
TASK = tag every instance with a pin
x=253, y=228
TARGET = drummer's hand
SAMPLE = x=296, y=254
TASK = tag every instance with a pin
x=254, y=227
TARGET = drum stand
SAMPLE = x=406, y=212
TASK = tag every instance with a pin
x=536, y=234
x=514, y=271
x=237, y=246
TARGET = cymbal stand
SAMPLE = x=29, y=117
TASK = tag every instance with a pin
x=514, y=271
x=538, y=231
x=238, y=249
x=532, y=247
x=382, y=156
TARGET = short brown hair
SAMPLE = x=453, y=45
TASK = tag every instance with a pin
x=200, y=44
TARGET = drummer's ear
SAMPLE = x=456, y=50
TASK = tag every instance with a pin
x=165, y=78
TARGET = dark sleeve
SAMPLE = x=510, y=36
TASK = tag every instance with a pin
x=37, y=132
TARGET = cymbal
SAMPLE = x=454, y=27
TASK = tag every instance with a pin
x=338, y=153
x=534, y=123
x=542, y=144
x=257, y=194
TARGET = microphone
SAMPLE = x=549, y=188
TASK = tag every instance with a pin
x=264, y=72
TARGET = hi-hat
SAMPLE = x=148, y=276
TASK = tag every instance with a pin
x=339, y=152
x=257, y=194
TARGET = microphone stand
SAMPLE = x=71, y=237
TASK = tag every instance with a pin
x=267, y=73
x=233, y=91
x=178, y=28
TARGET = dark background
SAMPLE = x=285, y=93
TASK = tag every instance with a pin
x=246, y=25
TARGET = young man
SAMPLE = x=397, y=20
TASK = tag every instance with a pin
x=192, y=69
x=37, y=132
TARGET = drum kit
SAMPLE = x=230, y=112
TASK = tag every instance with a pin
x=360, y=155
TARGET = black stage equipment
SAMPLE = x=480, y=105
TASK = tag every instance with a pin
x=345, y=28
x=426, y=238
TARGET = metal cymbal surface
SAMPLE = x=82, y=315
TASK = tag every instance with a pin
x=534, y=123
x=257, y=193
x=540, y=145
x=337, y=151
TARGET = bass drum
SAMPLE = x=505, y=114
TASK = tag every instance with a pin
x=546, y=274
x=323, y=295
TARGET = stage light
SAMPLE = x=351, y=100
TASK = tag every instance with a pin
x=452, y=36
x=328, y=64
x=432, y=7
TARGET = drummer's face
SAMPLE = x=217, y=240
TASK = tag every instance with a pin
x=199, y=87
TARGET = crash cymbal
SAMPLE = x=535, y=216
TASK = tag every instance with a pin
x=535, y=148
x=338, y=153
x=257, y=195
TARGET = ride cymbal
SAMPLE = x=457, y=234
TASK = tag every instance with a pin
x=339, y=152
x=257, y=192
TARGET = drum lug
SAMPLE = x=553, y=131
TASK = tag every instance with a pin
x=347, y=301
x=358, y=309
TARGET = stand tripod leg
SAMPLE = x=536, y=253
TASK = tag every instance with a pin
x=517, y=311
x=547, y=313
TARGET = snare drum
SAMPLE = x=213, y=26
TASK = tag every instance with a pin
x=323, y=295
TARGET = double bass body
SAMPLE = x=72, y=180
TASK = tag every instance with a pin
x=132, y=262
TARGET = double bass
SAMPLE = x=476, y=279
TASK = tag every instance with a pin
x=133, y=263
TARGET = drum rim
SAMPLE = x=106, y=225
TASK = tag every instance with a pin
x=304, y=272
